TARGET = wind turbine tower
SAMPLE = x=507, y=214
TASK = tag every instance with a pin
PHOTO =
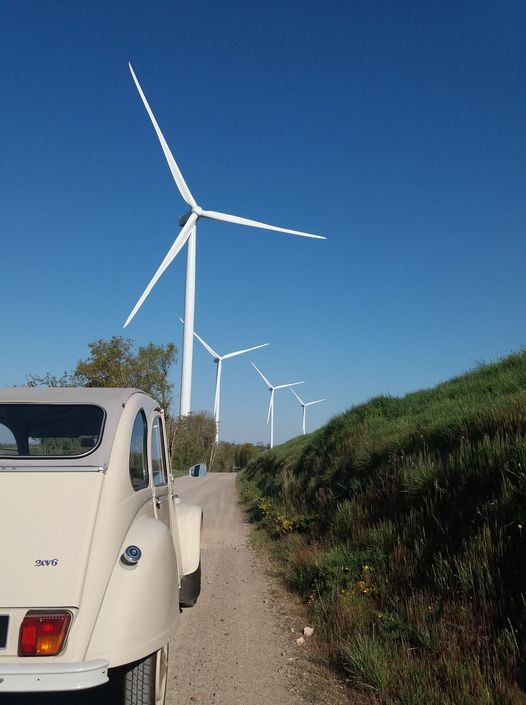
x=218, y=360
x=187, y=233
x=304, y=405
x=272, y=388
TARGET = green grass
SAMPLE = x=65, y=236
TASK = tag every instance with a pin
x=367, y=662
x=402, y=523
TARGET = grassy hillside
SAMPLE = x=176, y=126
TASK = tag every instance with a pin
x=402, y=523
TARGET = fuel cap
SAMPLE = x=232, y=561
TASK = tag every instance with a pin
x=131, y=555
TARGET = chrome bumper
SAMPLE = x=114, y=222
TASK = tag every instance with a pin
x=34, y=677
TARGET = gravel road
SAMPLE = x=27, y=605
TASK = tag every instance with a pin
x=230, y=649
x=237, y=646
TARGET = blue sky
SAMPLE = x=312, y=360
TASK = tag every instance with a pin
x=395, y=129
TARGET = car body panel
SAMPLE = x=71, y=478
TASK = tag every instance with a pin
x=27, y=677
x=77, y=515
x=49, y=535
x=189, y=519
x=120, y=634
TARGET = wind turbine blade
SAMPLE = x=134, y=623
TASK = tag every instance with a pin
x=310, y=403
x=214, y=215
x=172, y=253
x=205, y=345
x=297, y=396
x=263, y=376
x=176, y=172
x=291, y=384
x=240, y=352
x=271, y=405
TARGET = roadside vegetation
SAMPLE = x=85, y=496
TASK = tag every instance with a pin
x=402, y=524
x=231, y=457
x=192, y=441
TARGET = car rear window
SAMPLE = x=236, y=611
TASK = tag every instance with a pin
x=49, y=430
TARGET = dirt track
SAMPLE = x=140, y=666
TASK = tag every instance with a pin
x=230, y=649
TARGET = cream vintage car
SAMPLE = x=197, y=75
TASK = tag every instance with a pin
x=98, y=552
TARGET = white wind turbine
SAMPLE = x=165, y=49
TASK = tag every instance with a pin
x=304, y=405
x=272, y=388
x=218, y=359
x=188, y=234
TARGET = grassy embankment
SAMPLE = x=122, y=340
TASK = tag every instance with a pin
x=402, y=523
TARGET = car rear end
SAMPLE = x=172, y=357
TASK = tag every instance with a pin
x=50, y=486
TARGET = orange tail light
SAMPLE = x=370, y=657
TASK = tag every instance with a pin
x=43, y=633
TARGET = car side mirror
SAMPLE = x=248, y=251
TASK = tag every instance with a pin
x=198, y=470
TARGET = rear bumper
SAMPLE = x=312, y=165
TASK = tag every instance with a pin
x=39, y=677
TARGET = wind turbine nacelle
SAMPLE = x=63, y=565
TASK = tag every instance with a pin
x=184, y=218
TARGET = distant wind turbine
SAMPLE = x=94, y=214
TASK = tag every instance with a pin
x=218, y=359
x=304, y=405
x=272, y=388
x=188, y=233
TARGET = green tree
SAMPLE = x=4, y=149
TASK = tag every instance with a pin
x=115, y=363
x=245, y=453
x=228, y=457
x=48, y=380
x=224, y=457
x=191, y=439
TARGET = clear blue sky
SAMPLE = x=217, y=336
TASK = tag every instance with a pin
x=395, y=129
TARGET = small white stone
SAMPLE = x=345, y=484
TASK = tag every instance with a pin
x=308, y=631
x=300, y=641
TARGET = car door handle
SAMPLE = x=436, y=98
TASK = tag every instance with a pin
x=174, y=497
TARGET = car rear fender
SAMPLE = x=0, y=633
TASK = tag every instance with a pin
x=140, y=608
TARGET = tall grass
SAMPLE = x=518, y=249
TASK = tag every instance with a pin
x=403, y=524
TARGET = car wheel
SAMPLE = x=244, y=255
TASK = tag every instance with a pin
x=144, y=682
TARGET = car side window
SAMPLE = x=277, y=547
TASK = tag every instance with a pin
x=138, y=453
x=160, y=476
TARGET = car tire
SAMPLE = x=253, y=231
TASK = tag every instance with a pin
x=144, y=682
